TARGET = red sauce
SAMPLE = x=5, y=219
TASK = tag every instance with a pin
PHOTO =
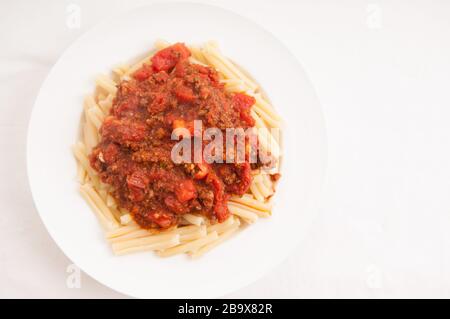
x=134, y=154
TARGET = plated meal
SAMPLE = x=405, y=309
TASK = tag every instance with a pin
x=178, y=151
x=247, y=245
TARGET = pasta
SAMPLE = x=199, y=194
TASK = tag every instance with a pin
x=195, y=235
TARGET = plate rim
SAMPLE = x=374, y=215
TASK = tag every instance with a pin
x=108, y=19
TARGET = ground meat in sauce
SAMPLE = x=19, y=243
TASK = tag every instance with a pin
x=134, y=153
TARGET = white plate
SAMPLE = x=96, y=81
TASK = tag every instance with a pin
x=54, y=127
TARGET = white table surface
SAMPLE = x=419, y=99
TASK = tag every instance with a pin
x=382, y=72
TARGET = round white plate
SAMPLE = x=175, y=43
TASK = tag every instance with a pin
x=54, y=127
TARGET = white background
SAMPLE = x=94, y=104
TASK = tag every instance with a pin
x=382, y=73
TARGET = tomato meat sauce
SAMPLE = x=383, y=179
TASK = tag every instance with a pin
x=134, y=153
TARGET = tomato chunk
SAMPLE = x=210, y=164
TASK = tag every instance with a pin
x=245, y=177
x=203, y=170
x=174, y=205
x=143, y=73
x=127, y=107
x=167, y=58
x=138, y=179
x=243, y=103
x=162, y=219
x=220, y=198
x=110, y=153
x=184, y=94
x=180, y=123
x=137, y=182
x=186, y=191
x=221, y=210
x=180, y=69
x=123, y=131
x=209, y=73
